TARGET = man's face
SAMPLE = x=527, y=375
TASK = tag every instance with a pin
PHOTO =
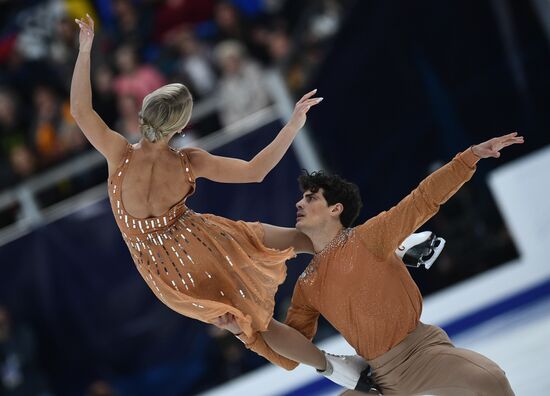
x=312, y=211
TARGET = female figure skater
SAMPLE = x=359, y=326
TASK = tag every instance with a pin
x=200, y=265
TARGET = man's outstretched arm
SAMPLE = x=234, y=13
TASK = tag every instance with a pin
x=383, y=233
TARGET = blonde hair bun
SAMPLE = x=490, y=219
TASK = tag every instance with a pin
x=165, y=111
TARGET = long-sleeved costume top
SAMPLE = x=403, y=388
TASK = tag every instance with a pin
x=359, y=284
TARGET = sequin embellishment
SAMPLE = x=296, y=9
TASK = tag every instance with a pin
x=311, y=269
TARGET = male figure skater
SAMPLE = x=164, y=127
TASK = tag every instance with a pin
x=357, y=282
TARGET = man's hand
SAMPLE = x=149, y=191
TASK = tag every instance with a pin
x=228, y=322
x=491, y=148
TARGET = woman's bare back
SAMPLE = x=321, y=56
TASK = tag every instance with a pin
x=153, y=183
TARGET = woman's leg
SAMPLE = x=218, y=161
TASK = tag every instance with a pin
x=292, y=344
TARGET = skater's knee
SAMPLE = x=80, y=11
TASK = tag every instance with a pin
x=492, y=380
x=503, y=384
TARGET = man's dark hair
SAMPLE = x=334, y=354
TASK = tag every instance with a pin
x=335, y=190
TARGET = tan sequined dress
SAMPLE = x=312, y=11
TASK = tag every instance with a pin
x=200, y=265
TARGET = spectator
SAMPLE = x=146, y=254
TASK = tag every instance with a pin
x=128, y=121
x=104, y=97
x=54, y=131
x=129, y=26
x=19, y=372
x=194, y=67
x=172, y=15
x=13, y=140
x=278, y=44
x=100, y=388
x=135, y=79
x=324, y=21
x=63, y=49
x=241, y=90
x=230, y=24
x=22, y=161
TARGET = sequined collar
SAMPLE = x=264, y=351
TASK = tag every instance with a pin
x=337, y=241
x=340, y=238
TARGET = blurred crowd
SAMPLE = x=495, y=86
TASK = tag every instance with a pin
x=218, y=48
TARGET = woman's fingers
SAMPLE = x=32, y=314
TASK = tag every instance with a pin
x=307, y=96
x=303, y=108
x=86, y=24
x=90, y=21
x=81, y=24
x=221, y=321
x=306, y=105
x=312, y=102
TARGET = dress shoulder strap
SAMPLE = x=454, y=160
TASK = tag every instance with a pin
x=184, y=155
x=123, y=164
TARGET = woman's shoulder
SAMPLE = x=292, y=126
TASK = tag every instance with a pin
x=118, y=153
x=199, y=159
x=193, y=152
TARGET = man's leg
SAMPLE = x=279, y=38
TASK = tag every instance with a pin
x=465, y=369
x=357, y=393
x=429, y=364
x=449, y=371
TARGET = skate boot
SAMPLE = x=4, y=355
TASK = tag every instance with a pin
x=422, y=248
x=344, y=370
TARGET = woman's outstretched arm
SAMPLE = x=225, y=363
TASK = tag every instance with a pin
x=231, y=170
x=106, y=141
x=283, y=238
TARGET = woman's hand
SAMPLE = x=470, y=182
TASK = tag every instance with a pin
x=298, y=118
x=86, y=36
x=492, y=147
x=228, y=322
